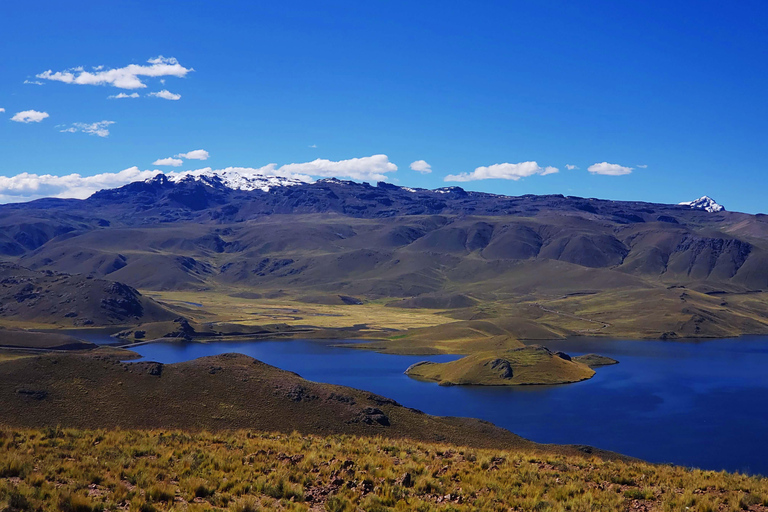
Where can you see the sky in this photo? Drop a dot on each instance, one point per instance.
(651, 101)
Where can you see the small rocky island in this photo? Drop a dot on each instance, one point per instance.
(515, 367)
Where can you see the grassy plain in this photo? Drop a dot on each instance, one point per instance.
(243, 471)
(222, 306)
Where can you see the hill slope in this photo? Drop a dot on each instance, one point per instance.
(27, 296)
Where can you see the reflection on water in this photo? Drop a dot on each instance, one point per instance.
(702, 404)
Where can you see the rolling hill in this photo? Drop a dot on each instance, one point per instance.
(443, 249)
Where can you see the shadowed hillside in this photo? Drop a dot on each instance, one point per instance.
(27, 296)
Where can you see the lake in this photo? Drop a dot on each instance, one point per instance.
(702, 404)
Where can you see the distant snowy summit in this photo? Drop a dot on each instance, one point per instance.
(704, 203)
(235, 179)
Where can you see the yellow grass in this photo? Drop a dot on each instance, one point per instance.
(221, 307)
(89, 471)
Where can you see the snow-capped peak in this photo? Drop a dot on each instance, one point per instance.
(235, 178)
(704, 203)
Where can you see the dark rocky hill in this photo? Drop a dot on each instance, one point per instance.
(72, 300)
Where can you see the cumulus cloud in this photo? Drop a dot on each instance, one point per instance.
(99, 128)
(369, 168)
(198, 154)
(505, 171)
(165, 94)
(607, 169)
(2, 110)
(173, 162)
(571, 167)
(128, 77)
(123, 95)
(421, 166)
(642, 166)
(29, 116)
(25, 186)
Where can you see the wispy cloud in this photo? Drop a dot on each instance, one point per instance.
(642, 166)
(2, 110)
(198, 154)
(571, 167)
(100, 128)
(173, 162)
(33, 82)
(123, 95)
(25, 186)
(313, 146)
(505, 171)
(165, 94)
(128, 77)
(606, 169)
(29, 116)
(421, 166)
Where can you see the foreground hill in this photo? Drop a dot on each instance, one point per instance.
(90, 470)
(231, 391)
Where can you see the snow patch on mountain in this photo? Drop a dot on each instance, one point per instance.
(704, 203)
(236, 179)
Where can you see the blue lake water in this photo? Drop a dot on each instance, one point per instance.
(701, 404)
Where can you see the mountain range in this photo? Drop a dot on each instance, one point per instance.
(443, 248)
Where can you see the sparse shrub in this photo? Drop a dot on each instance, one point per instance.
(637, 494)
(77, 503)
(161, 493)
(339, 504)
(14, 466)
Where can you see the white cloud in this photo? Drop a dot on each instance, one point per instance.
(128, 77)
(369, 168)
(165, 94)
(99, 128)
(571, 167)
(123, 95)
(313, 146)
(25, 187)
(607, 169)
(504, 171)
(421, 166)
(2, 110)
(29, 116)
(33, 82)
(198, 154)
(642, 166)
(173, 162)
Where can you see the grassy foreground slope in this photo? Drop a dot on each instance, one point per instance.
(92, 470)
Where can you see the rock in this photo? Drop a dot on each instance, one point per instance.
(563, 355)
(299, 393)
(502, 366)
(34, 394)
(372, 415)
(155, 369)
(406, 480)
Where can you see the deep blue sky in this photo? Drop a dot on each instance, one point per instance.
(679, 87)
